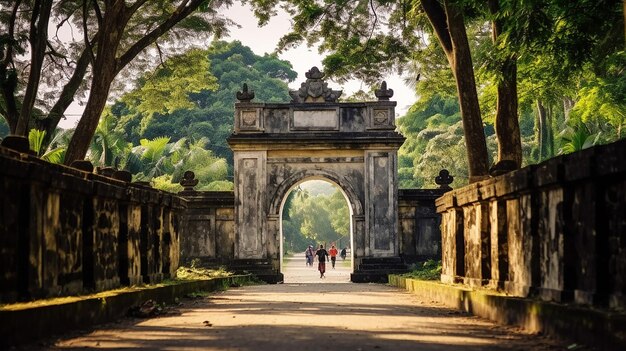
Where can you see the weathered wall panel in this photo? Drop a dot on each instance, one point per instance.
(556, 229)
(65, 231)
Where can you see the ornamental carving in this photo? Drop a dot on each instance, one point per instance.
(380, 117)
(315, 89)
(248, 118)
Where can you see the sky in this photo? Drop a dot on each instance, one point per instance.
(264, 39)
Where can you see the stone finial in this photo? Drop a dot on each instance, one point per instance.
(245, 95)
(17, 143)
(444, 179)
(188, 182)
(503, 167)
(83, 165)
(106, 171)
(123, 175)
(383, 94)
(315, 89)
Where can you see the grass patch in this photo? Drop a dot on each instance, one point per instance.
(429, 270)
(195, 273)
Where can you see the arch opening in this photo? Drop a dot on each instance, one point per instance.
(315, 210)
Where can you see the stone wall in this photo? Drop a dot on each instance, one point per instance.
(420, 237)
(556, 230)
(64, 231)
(210, 226)
(209, 223)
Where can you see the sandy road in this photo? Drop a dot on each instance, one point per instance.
(309, 313)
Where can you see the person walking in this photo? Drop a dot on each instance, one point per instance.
(309, 254)
(333, 255)
(321, 254)
(343, 253)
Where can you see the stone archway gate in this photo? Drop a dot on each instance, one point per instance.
(277, 145)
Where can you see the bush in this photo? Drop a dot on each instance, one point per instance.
(429, 270)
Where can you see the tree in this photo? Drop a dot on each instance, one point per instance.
(360, 48)
(208, 109)
(114, 33)
(506, 124)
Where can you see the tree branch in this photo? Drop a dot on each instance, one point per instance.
(437, 17)
(8, 59)
(67, 94)
(88, 45)
(96, 8)
(138, 4)
(38, 38)
(179, 14)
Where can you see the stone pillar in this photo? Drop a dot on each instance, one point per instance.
(273, 240)
(106, 236)
(499, 244)
(520, 239)
(452, 244)
(360, 250)
(381, 200)
(250, 204)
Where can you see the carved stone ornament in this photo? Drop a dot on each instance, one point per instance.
(315, 89)
(188, 181)
(245, 95)
(383, 94)
(444, 179)
(380, 117)
(248, 118)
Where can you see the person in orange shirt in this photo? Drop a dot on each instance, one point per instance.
(333, 255)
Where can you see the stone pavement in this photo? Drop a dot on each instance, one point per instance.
(309, 313)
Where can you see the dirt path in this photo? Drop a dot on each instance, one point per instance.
(309, 313)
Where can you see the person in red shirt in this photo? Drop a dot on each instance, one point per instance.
(333, 255)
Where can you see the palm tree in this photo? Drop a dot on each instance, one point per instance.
(55, 152)
(577, 138)
(108, 148)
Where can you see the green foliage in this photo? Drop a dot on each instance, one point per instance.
(209, 109)
(167, 89)
(165, 162)
(164, 182)
(195, 272)
(576, 139)
(4, 128)
(321, 218)
(56, 149)
(429, 270)
(108, 147)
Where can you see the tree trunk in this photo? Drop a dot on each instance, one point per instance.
(542, 130)
(568, 105)
(107, 64)
(507, 122)
(66, 97)
(104, 71)
(38, 38)
(449, 26)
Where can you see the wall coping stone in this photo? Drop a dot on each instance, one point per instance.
(579, 165)
(549, 172)
(313, 105)
(445, 202)
(488, 188)
(36, 321)
(420, 194)
(611, 159)
(592, 326)
(468, 194)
